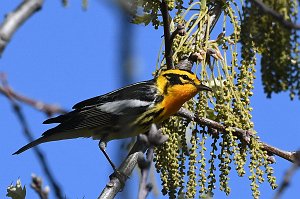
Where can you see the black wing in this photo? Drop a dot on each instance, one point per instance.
(144, 91)
(90, 113)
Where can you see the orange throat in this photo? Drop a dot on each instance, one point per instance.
(176, 97)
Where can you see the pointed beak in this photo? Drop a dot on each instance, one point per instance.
(202, 87)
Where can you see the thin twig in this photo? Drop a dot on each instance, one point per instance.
(240, 133)
(15, 19)
(167, 34)
(266, 9)
(43, 162)
(48, 109)
(288, 177)
(145, 166)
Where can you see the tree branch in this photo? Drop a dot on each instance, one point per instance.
(263, 7)
(167, 34)
(15, 19)
(240, 133)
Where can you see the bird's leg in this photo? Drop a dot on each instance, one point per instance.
(102, 146)
(121, 176)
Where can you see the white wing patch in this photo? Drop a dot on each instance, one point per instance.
(117, 107)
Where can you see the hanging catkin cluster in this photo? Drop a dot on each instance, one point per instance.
(280, 61)
(198, 159)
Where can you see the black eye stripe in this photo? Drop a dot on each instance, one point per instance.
(175, 75)
(185, 77)
(178, 79)
(173, 79)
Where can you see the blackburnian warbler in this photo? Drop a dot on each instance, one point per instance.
(125, 112)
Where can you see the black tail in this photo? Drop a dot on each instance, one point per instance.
(54, 135)
(30, 145)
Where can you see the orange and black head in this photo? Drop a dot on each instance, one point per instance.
(176, 87)
(179, 81)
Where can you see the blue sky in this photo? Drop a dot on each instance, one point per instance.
(64, 55)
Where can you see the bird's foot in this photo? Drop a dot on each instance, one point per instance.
(122, 177)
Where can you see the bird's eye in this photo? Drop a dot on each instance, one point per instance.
(185, 77)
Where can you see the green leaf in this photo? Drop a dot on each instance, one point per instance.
(210, 114)
(146, 19)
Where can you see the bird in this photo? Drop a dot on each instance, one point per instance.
(125, 112)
